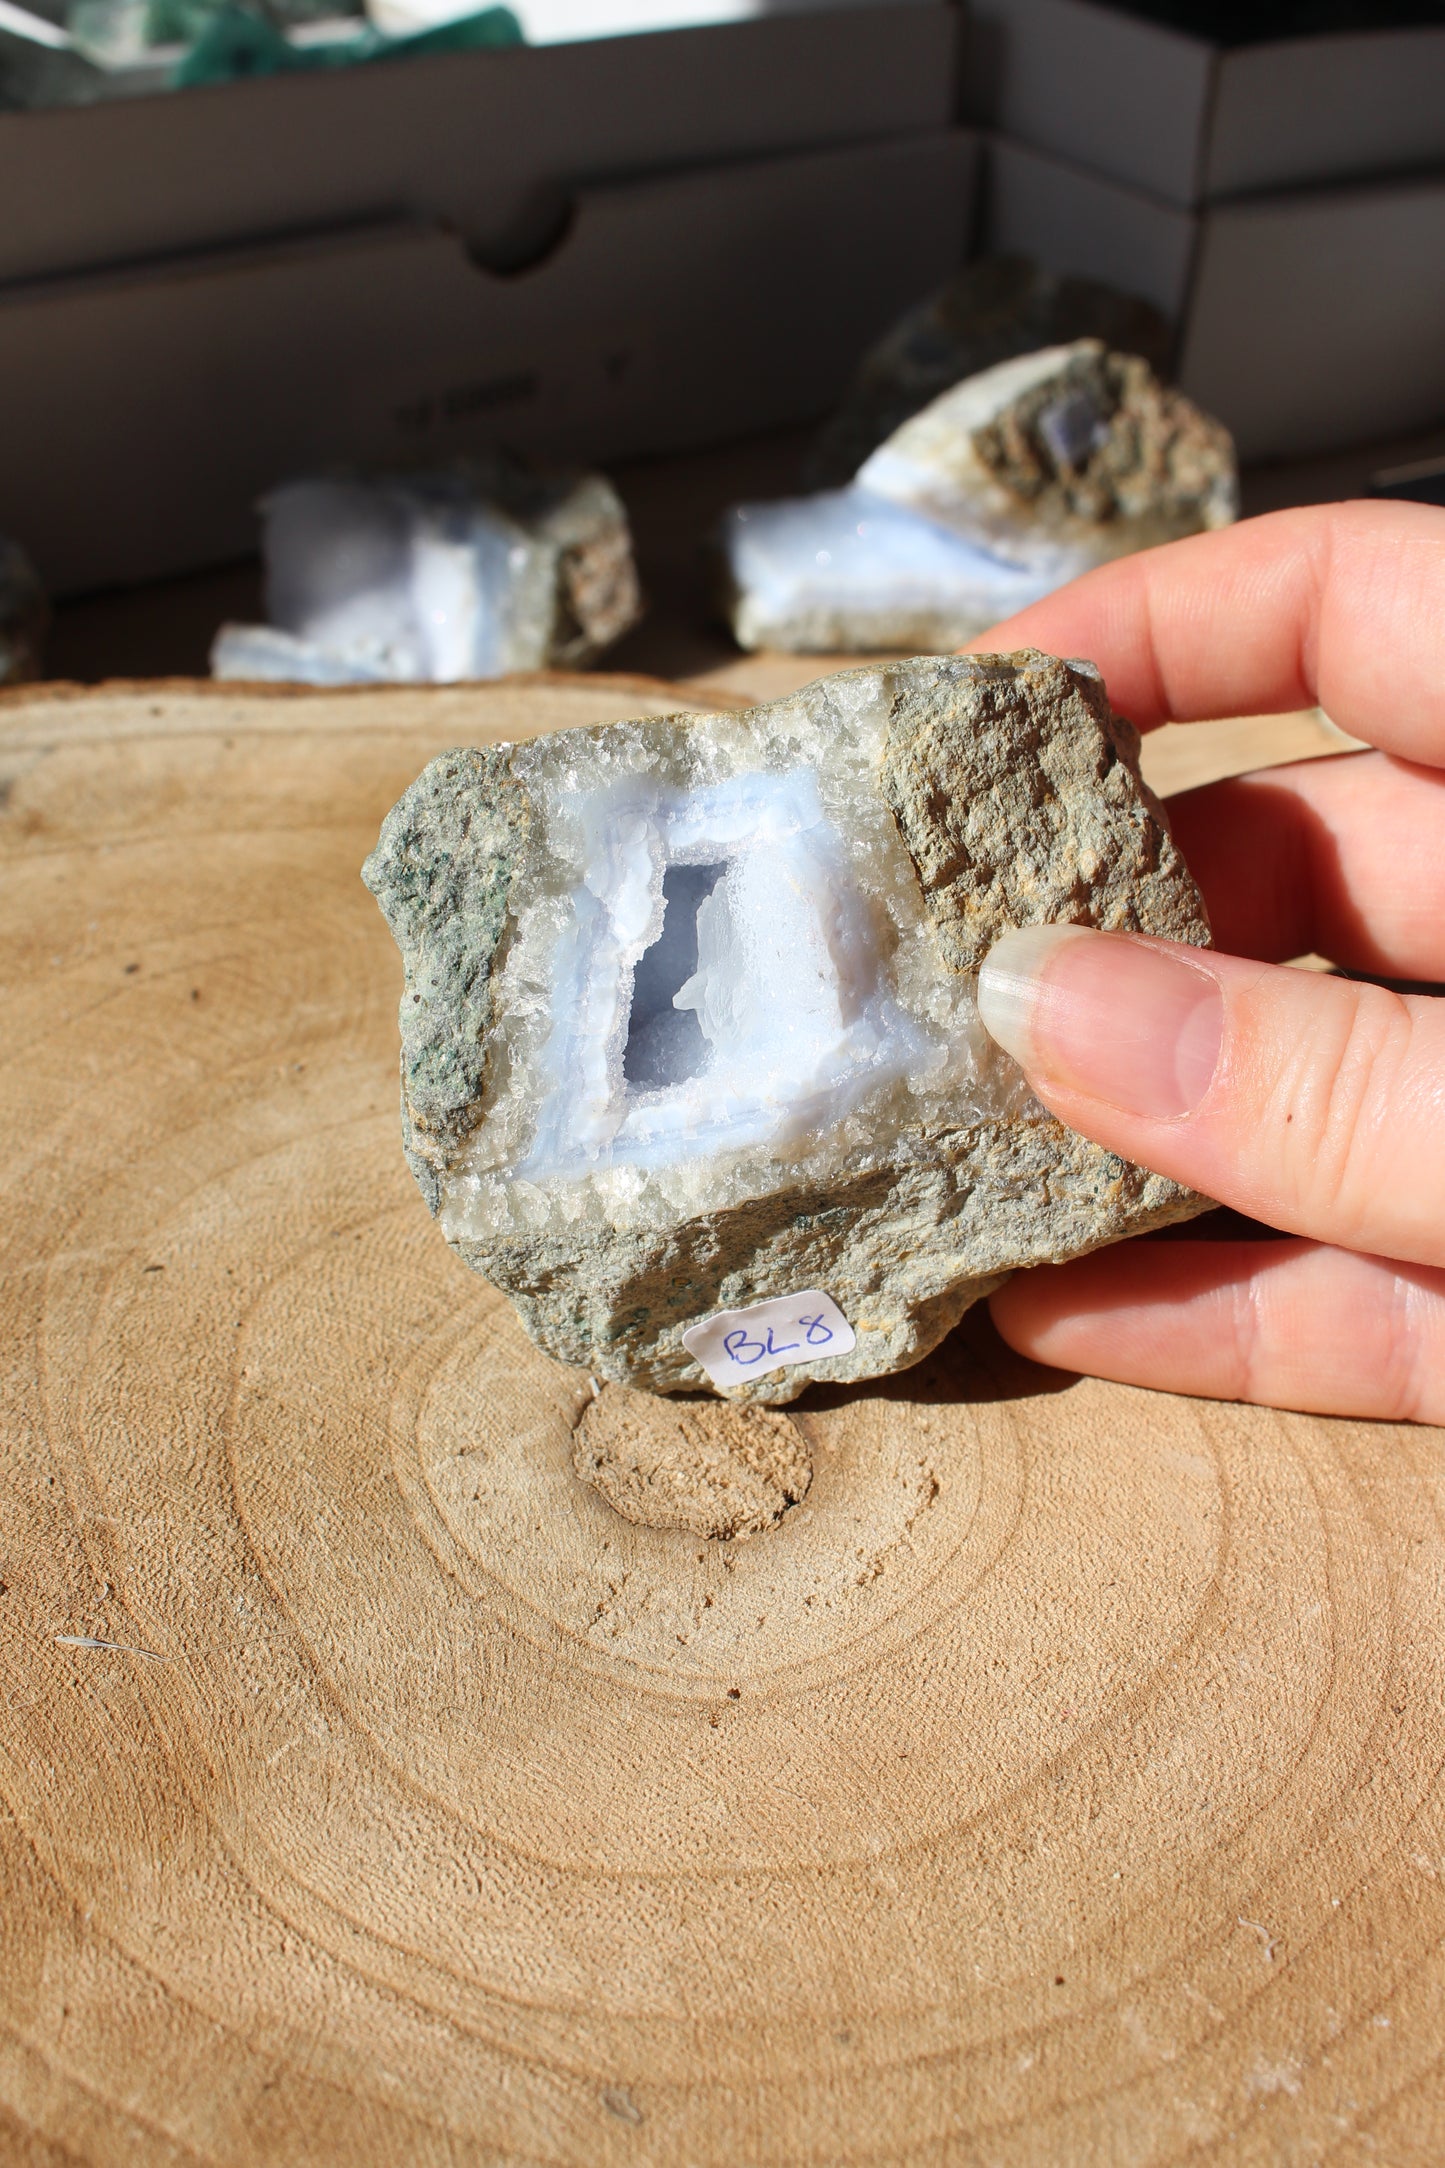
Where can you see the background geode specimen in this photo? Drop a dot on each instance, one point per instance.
(689, 1016)
(469, 572)
(1002, 489)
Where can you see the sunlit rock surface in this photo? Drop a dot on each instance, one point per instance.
(24, 615)
(436, 579)
(689, 1017)
(1002, 489)
(989, 311)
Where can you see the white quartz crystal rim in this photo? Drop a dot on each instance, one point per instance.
(769, 1080)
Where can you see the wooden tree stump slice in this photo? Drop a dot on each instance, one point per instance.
(1058, 1782)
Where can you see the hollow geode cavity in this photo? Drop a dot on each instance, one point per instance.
(689, 1018)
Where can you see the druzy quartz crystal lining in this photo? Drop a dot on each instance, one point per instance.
(689, 1020)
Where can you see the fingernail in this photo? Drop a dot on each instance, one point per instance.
(1118, 1019)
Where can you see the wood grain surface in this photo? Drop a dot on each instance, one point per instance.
(1060, 1782)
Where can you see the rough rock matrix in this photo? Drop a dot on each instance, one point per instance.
(993, 309)
(689, 1020)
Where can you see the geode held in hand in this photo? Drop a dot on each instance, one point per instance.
(689, 1024)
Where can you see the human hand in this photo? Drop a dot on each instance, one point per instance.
(1312, 1103)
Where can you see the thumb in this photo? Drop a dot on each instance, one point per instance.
(1309, 1102)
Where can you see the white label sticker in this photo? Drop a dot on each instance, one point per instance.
(735, 1345)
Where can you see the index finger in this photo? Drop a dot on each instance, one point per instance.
(1340, 606)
